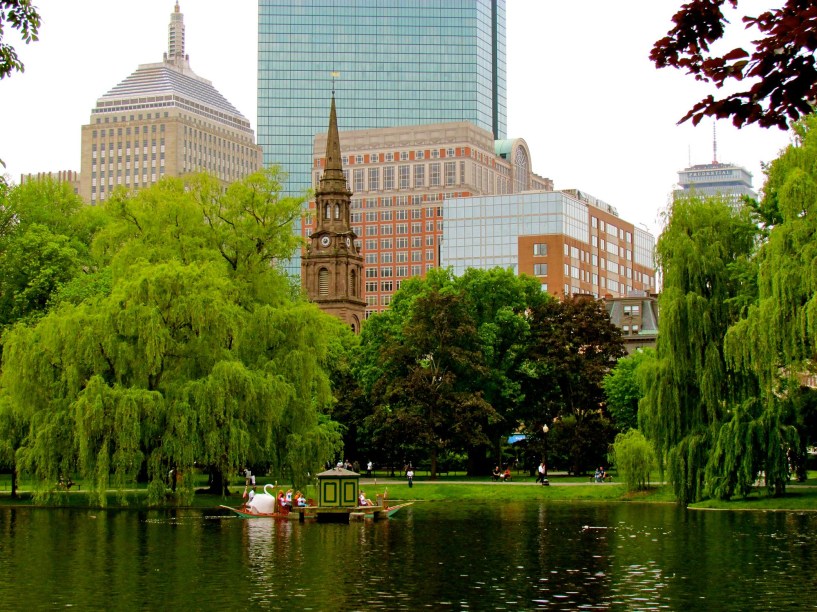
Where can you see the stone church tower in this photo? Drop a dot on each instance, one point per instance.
(332, 268)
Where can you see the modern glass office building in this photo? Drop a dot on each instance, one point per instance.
(395, 63)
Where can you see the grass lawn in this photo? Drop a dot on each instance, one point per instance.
(799, 496)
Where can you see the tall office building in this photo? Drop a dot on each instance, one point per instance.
(164, 120)
(410, 62)
(728, 180)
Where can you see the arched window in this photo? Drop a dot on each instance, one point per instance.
(521, 170)
(327, 213)
(337, 211)
(323, 282)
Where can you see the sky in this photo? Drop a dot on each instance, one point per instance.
(595, 112)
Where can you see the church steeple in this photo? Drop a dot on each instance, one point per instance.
(332, 267)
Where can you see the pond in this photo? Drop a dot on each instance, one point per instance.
(477, 556)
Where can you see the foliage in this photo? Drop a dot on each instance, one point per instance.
(634, 459)
(45, 236)
(624, 388)
(429, 369)
(498, 301)
(579, 442)
(703, 252)
(574, 346)
(23, 17)
(781, 66)
(189, 348)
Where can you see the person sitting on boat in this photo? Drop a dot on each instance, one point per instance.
(300, 500)
(288, 497)
(496, 475)
(282, 501)
(363, 500)
(250, 495)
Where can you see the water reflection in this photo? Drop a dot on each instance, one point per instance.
(454, 556)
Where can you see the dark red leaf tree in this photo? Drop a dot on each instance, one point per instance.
(779, 71)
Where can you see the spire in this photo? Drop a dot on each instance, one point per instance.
(333, 159)
(332, 179)
(175, 38)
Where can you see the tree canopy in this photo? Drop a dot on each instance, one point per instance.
(198, 351)
(778, 73)
(459, 364)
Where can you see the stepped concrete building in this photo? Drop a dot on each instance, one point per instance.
(164, 120)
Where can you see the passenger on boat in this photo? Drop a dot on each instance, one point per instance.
(282, 501)
(300, 500)
(363, 500)
(289, 497)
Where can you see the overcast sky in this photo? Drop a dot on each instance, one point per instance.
(596, 114)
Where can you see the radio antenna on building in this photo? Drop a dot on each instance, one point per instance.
(714, 143)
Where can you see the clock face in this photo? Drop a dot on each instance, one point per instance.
(325, 241)
(348, 241)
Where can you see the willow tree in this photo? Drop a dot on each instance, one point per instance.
(200, 353)
(777, 340)
(705, 256)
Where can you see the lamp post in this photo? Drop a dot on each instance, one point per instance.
(545, 430)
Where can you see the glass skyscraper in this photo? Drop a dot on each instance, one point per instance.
(395, 62)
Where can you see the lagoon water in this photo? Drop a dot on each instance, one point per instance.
(448, 556)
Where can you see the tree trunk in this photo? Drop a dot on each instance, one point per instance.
(14, 480)
(218, 484)
(433, 464)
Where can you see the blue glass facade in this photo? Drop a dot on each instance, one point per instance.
(399, 62)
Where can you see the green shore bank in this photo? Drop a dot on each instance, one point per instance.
(798, 497)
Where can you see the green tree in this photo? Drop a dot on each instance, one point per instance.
(499, 302)
(45, 237)
(427, 361)
(695, 411)
(624, 388)
(634, 459)
(191, 358)
(574, 347)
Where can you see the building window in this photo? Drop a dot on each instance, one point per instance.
(434, 175)
(540, 249)
(405, 177)
(388, 178)
(450, 173)
(374, 179)
(540, 269)
(359, 181)
(419, 175)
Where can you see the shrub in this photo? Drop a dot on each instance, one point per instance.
(634, 457)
